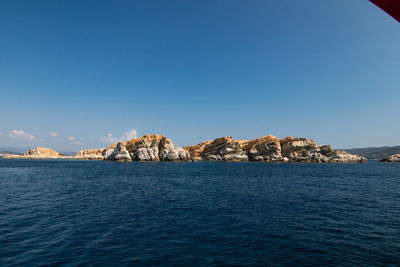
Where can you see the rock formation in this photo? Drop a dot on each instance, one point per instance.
(90, 154)
(196, 150)
(42, 152)
(224, 149)
(37, 153)
(392, 158)
(120, 153)
(269, 148)
(151, 148)
(160, 148)
(265, 148)
(174, 154)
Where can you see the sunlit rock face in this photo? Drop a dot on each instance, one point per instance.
(270, 149)
(299, 149)
(147, 147)
(120, 153)
(145, 154)
(265, 148)
(91, 154)
(42, 152)
(224, 149)
(174, 154)
(194, 152)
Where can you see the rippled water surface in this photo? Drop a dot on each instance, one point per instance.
(55, 212)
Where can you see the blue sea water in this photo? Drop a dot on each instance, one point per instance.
(78, 213)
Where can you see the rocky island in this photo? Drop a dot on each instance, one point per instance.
(37, 153)
(392, 158)
(160, 148)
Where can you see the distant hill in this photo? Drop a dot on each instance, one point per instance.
(375, 152)
(12, 150)
(20, 151)
(9, 152)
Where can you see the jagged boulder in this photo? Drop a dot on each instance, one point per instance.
(265, 148)
(298, 149)
(392, 158)
(224, 149)
(174, 154)
(120, 153)
(145, 154)
(147, 147)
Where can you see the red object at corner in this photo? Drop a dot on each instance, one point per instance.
(392, 7)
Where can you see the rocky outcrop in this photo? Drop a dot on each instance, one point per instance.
(306, 150)
(145, 154)
(37, 153)
(300, 149)
(224, 149)
(42, 152)
(120, 153)
(149, 148)
(174, 154)
(195, 151)
(392, 158)
(160, 148)
(340, 156)
(270, 149)
(266, 148)
(90, 154)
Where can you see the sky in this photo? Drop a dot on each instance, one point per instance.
(84, 74)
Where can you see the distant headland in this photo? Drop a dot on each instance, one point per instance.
(160, 148)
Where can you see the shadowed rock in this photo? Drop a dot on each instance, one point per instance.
(392, 158)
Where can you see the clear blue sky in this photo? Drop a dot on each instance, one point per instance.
(197, 70)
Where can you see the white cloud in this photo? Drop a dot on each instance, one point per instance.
(129, 135)
(77, 143)
(71, 138)
(110, 139)
(20, 135)
(53, 134)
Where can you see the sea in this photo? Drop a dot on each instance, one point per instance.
(98, 213)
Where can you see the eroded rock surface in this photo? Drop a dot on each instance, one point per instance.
(147, 147)
(224, 149)
(299, 149)
(158, 147)
(265, 148)
(174, 154)
(269, 148)
(195, 151)
(145, 154)
(90, 154)
(120, 153)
